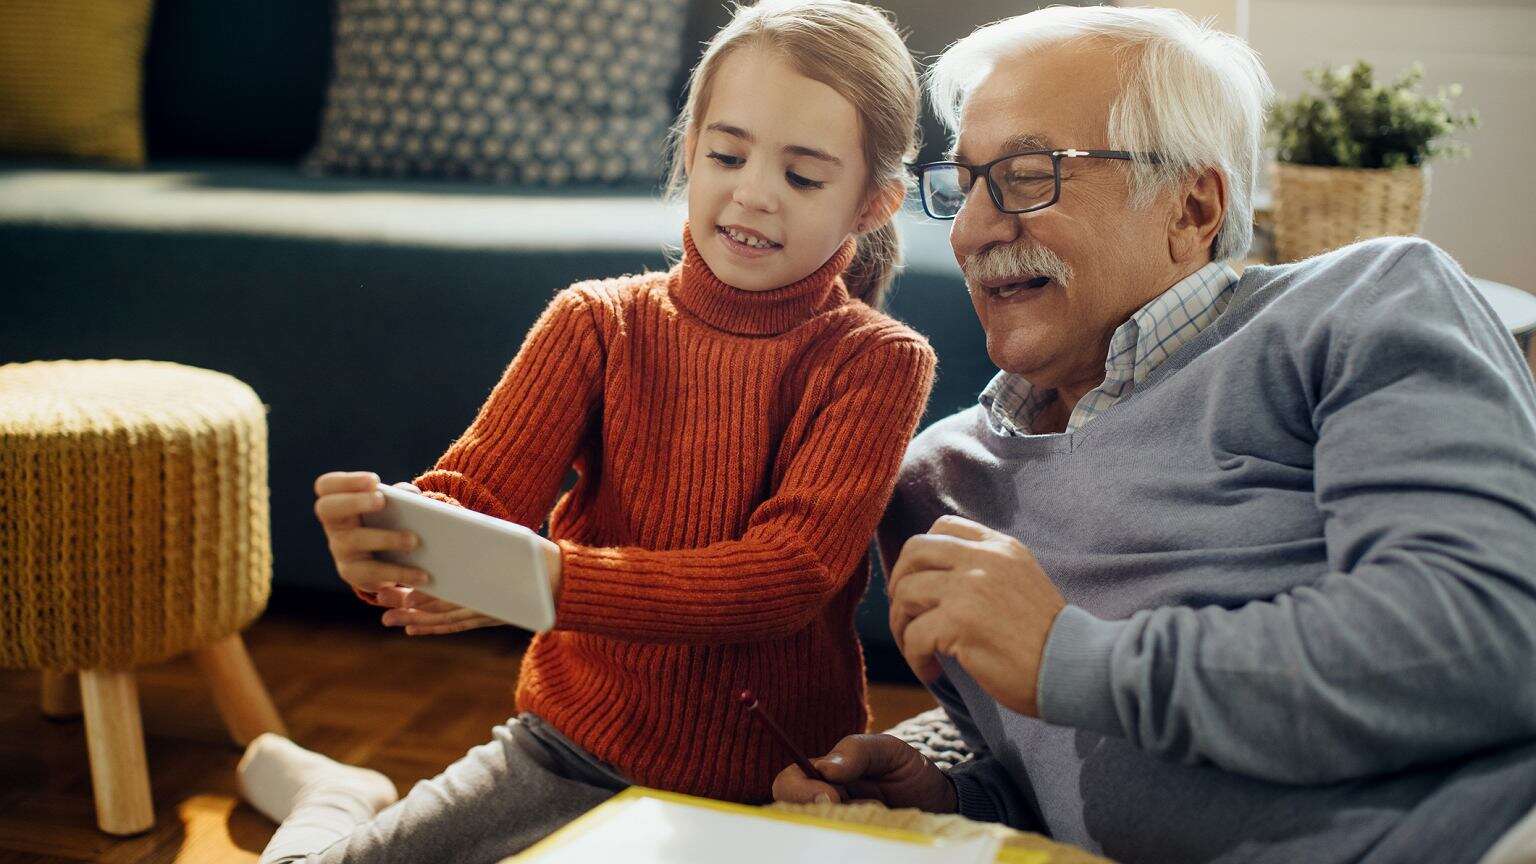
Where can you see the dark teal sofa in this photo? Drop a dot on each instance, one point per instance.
(371, 316)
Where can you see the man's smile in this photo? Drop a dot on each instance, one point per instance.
(1003, 289)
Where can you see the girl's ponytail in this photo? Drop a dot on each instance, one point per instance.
(874, 266)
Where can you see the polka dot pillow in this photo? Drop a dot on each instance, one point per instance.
(535, 92)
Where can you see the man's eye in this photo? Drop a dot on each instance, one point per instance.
(803, 182)
(1028, 179)
(726, 159)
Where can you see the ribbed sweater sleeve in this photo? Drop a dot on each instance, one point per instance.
(511, 460)
(801, 543)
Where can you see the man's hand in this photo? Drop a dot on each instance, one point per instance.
(877, 767)
(976, 595)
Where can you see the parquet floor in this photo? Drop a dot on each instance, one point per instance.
(345, 686)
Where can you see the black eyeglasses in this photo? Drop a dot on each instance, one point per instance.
(1018, 183)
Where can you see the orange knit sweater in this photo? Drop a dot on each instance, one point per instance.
(734, 451)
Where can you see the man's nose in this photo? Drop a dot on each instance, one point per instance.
(754, 192)
(980, 225)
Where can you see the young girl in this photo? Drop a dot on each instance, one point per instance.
(736, 425)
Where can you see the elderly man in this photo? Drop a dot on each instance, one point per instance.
(1221, 568)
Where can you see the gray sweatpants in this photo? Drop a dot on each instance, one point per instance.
(500, 798)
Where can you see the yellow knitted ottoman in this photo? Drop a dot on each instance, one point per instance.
(133, 528)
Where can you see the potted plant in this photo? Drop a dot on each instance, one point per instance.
(1351, 161)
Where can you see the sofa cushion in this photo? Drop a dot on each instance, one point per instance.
(70, 73)
(252, 199)
(261, 199)
(253, 202)
(310, 289)
(545, 92)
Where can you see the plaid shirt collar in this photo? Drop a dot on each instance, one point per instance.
(1152, 334)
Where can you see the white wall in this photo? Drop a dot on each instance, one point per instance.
(1481, 208)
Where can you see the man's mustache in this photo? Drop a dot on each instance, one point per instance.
(1022, 260)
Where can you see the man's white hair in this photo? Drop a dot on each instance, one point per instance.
(1190, 93)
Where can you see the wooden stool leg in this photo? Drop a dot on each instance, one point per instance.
(61, 695)
(114, 735)
(237, 690)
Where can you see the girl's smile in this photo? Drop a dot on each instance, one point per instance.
(777, 178)
(746, 242)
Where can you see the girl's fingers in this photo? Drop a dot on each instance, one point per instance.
(345, 481)
(372, 575)
(341, 509)
(394, 596)
(360, 542)
(408, 615)
(457, 627)
(400, 597)
(422, 623)
(428, 603)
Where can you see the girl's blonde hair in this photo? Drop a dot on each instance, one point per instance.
(855, 50)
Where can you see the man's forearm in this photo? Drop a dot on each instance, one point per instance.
(1295, 690)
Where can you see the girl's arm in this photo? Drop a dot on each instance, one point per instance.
(511, 460)
(801, 544)
(509, 463)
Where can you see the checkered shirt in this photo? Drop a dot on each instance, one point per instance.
(1152, 334)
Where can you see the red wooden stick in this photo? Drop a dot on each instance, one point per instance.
(755, 708)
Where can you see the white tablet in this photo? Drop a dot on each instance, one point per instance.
(478, 561)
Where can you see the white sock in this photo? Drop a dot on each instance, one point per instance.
(275, 773)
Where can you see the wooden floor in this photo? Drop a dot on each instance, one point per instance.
(345, 686)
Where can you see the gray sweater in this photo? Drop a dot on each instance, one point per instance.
(1300, 563)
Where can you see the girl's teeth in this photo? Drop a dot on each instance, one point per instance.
(746, 239)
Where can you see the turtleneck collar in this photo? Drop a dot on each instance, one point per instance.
(696, 289)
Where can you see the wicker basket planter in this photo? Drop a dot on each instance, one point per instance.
(1320, 208)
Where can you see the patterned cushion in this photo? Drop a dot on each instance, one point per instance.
(544, 92)
(935, 736)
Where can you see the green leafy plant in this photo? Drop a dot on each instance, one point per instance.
(1357, 123)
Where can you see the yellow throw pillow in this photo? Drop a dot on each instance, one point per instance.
(71, 78)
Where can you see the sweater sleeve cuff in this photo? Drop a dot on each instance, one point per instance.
(581, 601)
(1075, 687)
(972, 800)
(452, 487)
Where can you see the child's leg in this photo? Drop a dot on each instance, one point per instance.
(500, 798)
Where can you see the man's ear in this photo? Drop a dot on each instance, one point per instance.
(1198, 212)
(880, 207)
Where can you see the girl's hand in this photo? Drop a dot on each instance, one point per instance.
(422, 615)
(341, 499)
